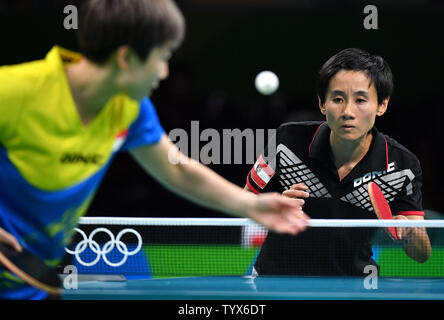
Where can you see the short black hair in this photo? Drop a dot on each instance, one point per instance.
(105, 25)
(354, 59)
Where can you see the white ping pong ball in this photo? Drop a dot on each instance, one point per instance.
(266, 82)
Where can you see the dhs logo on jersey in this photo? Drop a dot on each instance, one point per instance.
(372, 175)
(70, 158)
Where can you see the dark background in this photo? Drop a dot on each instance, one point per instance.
(227, 44)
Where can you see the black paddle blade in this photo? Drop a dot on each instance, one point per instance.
(31, 266)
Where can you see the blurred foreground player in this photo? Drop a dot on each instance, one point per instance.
(330, 164)
(64, 118)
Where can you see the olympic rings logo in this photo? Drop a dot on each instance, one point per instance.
(107, 248)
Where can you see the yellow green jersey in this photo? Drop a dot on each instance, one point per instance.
(51, 163)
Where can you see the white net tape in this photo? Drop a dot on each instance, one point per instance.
(325, 223)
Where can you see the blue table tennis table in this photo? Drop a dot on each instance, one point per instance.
(257, 288)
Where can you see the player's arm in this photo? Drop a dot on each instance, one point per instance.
(7, 238)
(296, 191)
(203, 186)
(417, 243)
(409, 206)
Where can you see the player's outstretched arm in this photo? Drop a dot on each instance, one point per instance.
(203, 186)
(417, 244)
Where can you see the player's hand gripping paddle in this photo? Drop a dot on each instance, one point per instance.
(382, 208)
(30, 269)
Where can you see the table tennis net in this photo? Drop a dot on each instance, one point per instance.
(178, 247)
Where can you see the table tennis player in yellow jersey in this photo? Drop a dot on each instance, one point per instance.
(90, 106)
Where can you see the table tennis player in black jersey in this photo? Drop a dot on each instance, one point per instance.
(329, 165)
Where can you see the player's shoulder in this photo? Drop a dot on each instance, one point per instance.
(144, 108)
(13, 77)
(17, 83)
(297, 134)
(26, 67)
(401, 152)
(25, 77)
(300, 126)
(129, 111)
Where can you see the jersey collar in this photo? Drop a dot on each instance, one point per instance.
(376, 159)
(66, 56)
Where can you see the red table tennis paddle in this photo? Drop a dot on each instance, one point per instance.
(382, 208)
(31, 269)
